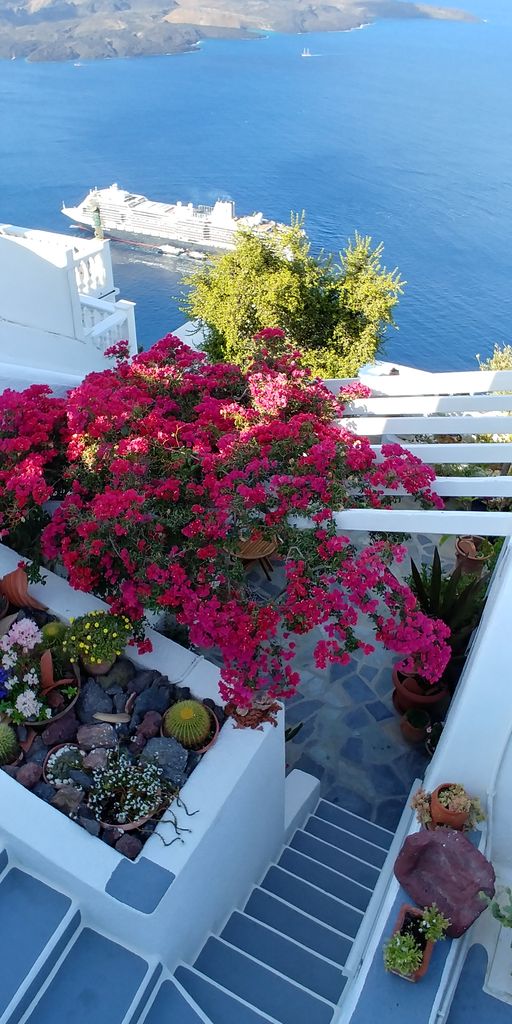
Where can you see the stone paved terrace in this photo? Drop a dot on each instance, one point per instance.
(351, 738)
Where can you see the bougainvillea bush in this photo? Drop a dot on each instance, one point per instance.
(172, 461)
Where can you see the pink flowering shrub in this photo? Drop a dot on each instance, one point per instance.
(31, 453)
(171, 461)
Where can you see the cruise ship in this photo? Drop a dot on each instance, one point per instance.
(115, 213)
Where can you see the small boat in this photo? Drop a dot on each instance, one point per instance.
(171, 250)
(306, 52)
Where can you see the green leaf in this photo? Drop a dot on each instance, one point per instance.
(435, 584)
(419, 589)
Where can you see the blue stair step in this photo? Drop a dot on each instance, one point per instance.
(353, 823)
(313, 901)
(30, 913)
(260, 987)
(97, 981)
(361, 848)
(325, 878)
(172, 1007)
(219, 1006)
(287, 919)
(284, 956)
(334, 858)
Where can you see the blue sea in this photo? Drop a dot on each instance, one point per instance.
(402, 130)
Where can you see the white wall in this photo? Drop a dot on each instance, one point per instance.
(476, 745)
(35, 292)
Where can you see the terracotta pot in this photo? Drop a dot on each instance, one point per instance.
(411, 732)
(41, 724)
(467, 560)
(14, 586)
(131, 825)
(409, 694)
(441, 815)
(98, 668)
(53, 750)
(198, 750)
(405, 909)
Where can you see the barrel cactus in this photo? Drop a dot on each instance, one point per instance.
(9, 749)
(189, 722)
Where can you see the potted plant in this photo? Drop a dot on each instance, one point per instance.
(126, 794)
(433, 735)
(14, 586)
(413, 692)
(503, 911)
(414, 724)
(459, 604)
(472, 553)
(60, 761)
(192, 724)
(9, 747)
(97, 639)
(409, 949)
(448, 805)
(29, 694)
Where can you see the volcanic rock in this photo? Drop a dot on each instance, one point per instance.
(121, 674)
(169, 755)
(29, 774)
(129, 846)
(101, 735)
(92, 699)
(443, 867)
(150, 725)
(62, 731)
(68, 800)
(97, 758)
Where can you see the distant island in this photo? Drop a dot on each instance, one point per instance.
(60, 30)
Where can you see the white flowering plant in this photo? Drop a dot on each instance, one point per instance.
(125, 791)
(22, 693)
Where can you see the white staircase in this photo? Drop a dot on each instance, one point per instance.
(280, 960)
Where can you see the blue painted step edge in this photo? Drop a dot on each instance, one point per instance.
(260, 986)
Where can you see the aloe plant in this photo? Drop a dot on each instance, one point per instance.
(450, 598)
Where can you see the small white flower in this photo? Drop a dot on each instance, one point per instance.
(27, 704)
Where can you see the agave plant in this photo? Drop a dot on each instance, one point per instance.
(455, 598)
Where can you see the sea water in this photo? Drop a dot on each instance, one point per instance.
(402, 131)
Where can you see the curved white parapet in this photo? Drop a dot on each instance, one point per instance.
(171, 896)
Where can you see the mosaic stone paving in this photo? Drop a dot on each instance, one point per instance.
(351, 738)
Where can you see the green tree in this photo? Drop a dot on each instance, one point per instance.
(335, 313)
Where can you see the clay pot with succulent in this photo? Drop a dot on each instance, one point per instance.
(408, 951)
(414, 724)
(449, 805)
(192, 724)
(96, 639)
(60, 762)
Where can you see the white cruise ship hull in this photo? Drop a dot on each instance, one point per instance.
(117, 214)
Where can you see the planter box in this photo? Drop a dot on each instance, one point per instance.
(237, 789)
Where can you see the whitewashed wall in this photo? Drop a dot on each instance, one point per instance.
(476, 745)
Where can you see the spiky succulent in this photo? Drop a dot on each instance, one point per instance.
(8, 744)
(189, 722)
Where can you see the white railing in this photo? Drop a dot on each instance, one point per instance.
(409, 405)
(93, 273)
(105, 323)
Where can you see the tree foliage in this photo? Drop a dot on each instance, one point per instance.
(336, 313)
